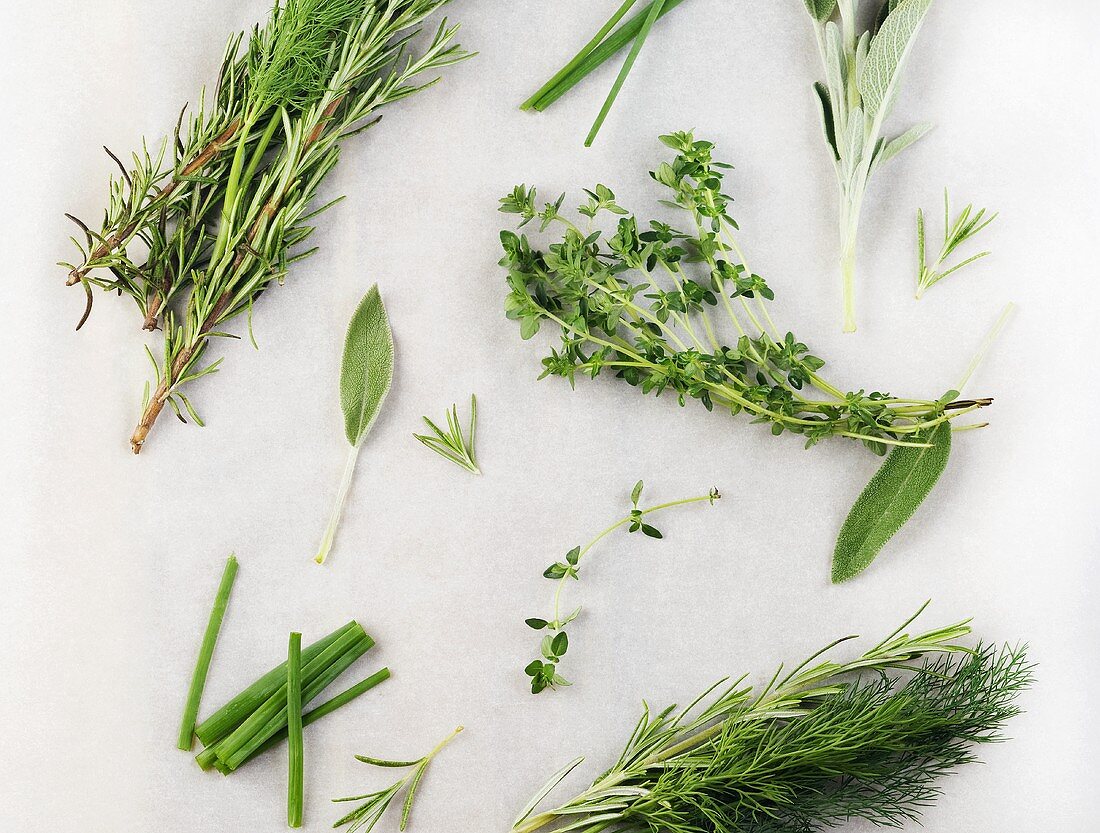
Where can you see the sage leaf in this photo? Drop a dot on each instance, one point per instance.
(899, 143)
(888, 501)
(367, 370)
(820, 10)
(365, 378)
(828, 125)
(889, 50)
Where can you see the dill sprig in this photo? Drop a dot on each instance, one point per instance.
(452, 444)
(828, 742)
(603, 292)
(194, 234)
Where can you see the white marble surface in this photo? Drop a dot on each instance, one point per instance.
(109, 560)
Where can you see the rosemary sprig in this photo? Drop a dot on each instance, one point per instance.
(219, 229)
(828, 742)
(544, 672)
(601, 292)
(368, 814)
(451, 444)
(968, 223)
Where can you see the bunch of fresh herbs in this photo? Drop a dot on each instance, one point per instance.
(198, 228)
(826, 743)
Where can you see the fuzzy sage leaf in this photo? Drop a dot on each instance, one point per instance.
(890, 47)
(820, 10)
(889, 500)
(365, 378)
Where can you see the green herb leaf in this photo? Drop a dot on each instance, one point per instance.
(367, 370)
(820, 10)
(888, 501)
(889, 48)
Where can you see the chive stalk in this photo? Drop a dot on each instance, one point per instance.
(230, 716)
(206, 653)
(654, 12)
(326, 708)
(295, 756)
(627, 33)
(564, 72)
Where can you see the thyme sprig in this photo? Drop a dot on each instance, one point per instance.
(601, 291)
(370, 812)
(194, 234)
(966, 225)
(544, 672)
(827, 742)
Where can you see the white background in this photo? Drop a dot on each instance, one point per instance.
(109, 561)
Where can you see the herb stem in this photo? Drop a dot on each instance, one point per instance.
(206, 653)
(643, 33)
(295, 756)
(533, 101)
(338, 508)
(986, 345)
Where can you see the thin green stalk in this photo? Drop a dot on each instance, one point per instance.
(295, 754)
(643, 33)
(206, 653)
(329, 537)
(612, 45)
(530, 103)
(987, 344)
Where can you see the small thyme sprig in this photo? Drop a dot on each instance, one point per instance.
(366, 816)
(451, 444)
(544, 672)
(967, 225)
(600, 290)
(829, 742)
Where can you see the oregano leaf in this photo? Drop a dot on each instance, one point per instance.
(367, 370)
(888, 501)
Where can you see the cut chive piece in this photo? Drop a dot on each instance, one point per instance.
(206, 653)
(271, 716)
(617, 41)
(532, 102)
(230, 716)
(328, 707)
(296, 758)
(628, 64)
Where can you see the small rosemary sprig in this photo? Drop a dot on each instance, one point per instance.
(544, 672)
(826, 743)
(367, 815)
(212, 230)
(968, 223)
(451, 444)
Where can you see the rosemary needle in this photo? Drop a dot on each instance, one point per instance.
(451, 444)
(206, 653)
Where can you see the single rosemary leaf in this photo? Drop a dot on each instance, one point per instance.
(365, 378)
(206, 653)
(888, 501)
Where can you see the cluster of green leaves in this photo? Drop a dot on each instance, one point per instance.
(601, 291)
(370, 812)
(544, 672)
(198, 229)
(967, 224)
(863, 70)
(828, 742)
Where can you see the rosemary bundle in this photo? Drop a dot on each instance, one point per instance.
(198, 228)
(827, 743)
(601, 292)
